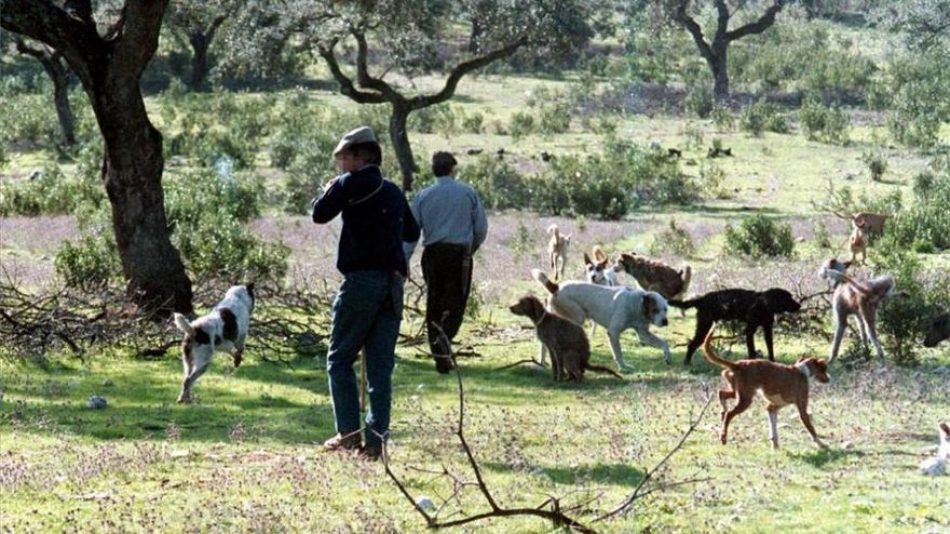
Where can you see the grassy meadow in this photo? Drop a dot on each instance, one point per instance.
(246, 457)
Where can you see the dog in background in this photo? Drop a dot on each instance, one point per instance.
(656, 276)
(858, 244)
(937, 329)
(870, 223)
(557, 250)
(756, 308)
(597, 272)
(570, 350)
(614, 308)
(224, 328)
(861, 298)
(780, 384)
(937, 465)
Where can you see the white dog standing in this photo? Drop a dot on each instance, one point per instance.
(614, 308)
(222, 329)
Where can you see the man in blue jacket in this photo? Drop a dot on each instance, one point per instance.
(368, 307)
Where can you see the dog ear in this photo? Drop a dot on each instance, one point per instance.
(182, 323)
(650, 306)
(587, 260)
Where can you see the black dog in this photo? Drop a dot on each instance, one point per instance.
(756, 308)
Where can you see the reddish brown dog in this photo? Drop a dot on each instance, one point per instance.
(780, 384)
(656, 276)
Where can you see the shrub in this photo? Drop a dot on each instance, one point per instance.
(822, 123)
(499, 185)
(673, 240)
(555, 119)
(521, 124)
(699, 99)
(51, 192)
(917, 90)
(90, 262)
(925, 226)
(763, 116)
(473, 122)
(759, 236)
(723, 118)
(877, 164)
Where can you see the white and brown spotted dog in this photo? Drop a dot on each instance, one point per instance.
(224, 328)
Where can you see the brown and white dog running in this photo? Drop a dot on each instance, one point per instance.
(224, 328)
(780, 384)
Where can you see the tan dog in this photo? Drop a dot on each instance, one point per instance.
(780, 384)
(861, 298)
(557, 250)
(570, 350)
(656, 276)
(870, 223)
(858, 243)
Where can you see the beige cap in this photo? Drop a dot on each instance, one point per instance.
(363, 134)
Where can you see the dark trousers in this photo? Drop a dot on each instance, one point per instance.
(447, 270)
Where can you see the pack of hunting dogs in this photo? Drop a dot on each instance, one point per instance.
(606, 301)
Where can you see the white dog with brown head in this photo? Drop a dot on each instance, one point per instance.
(222, 329)
(614, 308)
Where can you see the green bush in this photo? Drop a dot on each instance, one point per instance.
(499, 185)
(763, 116)
(823, 123)
(925, 226)
(917, 90)
(473, 122)
(759, 236)
(521, 125)
(555, 119)
(723, 118)
(876, 162)
(51, 192)
(673, 240)
(89, 263)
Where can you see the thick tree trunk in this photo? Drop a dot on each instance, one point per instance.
(199, 61)
(475, 36)
(401, 146)
(64, 111)
(133, 179)
(718, 64)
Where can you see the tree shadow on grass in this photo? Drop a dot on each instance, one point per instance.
(823, 457)
(616, 474)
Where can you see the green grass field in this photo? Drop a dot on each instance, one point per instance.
(247, 456)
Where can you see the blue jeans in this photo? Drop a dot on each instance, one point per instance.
(366, 313)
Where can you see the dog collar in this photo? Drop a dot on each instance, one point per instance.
(803, 369)
(538, 322)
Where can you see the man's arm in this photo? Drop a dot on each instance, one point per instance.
(479, 224)
(409, 242)
(328, 205)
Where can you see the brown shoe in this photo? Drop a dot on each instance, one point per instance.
(371, 452)
(339, 442)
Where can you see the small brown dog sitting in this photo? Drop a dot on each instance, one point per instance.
(780, 384)
(656, 276)
(566, 341)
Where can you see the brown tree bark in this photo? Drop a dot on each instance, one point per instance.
(716, 52)
(109, 68)
(377, 91)
(59, 74)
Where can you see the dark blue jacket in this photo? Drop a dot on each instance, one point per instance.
(376, 221)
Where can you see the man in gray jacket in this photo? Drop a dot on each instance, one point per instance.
(454, 225)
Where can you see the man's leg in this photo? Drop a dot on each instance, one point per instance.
(436, 276)
(353, 310)
(380, 360)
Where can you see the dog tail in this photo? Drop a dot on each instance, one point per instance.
(543, 279)
(602, 369)
(686, 275)
(182, 323)
(683, 304)
(599, 254)
(711, 355)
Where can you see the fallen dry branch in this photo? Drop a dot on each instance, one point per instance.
(550, 509)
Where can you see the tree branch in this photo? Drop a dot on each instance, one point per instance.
(362, 70)
(137, 37)
(463, 68)
(759, 26)
(346, 84)
(694, 29)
